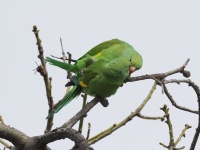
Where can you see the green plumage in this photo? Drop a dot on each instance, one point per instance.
(101, 71)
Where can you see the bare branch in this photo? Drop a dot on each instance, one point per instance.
(21, 140)
(175, 104)
(163, 75)
(43, 71)
(15, 136)
(80, 141)
(81, 113)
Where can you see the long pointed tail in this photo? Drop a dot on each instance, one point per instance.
(74, 92)
(63, 65)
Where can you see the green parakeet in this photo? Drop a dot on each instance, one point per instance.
(101, 71)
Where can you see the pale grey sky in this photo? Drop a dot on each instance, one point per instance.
(166, 33)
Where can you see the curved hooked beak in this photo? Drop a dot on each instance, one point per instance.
(131, 69)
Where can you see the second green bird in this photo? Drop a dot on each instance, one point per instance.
(101, 71)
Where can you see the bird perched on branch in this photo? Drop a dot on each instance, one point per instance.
(101, 71)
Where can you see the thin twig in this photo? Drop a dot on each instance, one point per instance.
(168, 121)
(64, 58)
(180, 148)
(63, 53)
(88, 132)
(61, 58)
(150, 118)
(80, 128)
(182, 134)
(163, 145)
(5, 144)
(69, 74)
(1, 120)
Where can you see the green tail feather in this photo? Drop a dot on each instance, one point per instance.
(63, 65)
(74, 92)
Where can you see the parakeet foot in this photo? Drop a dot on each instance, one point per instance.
(104, 102)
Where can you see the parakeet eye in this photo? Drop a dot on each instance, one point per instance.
(130, 59)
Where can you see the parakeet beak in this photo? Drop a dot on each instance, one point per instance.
(131, 69)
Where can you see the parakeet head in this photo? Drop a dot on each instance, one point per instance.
(135, 62)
